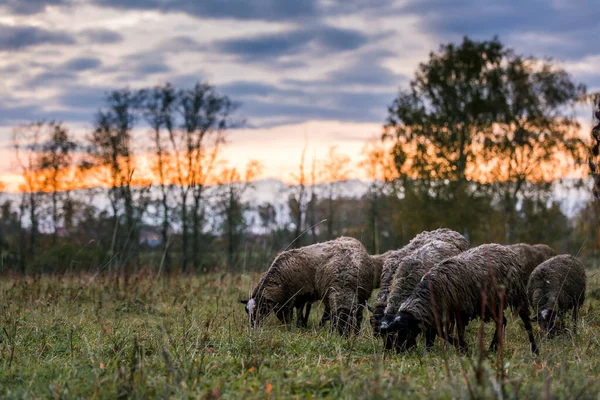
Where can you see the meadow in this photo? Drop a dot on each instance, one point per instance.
(188, 337)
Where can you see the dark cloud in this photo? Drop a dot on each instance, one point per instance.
(262, 101)
(244, 89)
(20, 37)
(28, 7)
(151, 68)
(269, 10)
(86, 99)
(82, 64)
(50, 78)
(262, 47)
(566, 30)
(101, 36)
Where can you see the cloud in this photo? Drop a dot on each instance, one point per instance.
(367, 70)
(101, 36)
(574, 25)
(324, 39)
(50, 78)
(28, 7)
(20, 37)
(82, 64)
(265, 10)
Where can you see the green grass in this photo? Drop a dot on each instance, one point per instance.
(188, 338)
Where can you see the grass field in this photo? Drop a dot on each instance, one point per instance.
(188, 338)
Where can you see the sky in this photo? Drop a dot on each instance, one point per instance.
(312, 73)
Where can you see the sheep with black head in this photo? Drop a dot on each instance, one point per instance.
(408, 274)
(478, 283)
(555, 287)
(393, 261)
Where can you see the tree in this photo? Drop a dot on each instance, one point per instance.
(335, 169)
(593, 161)
(111, 150)
(232, 186)
(195, 139)
(157, 106)
(296, 201)
(27, 145)
(477, 112)
(56, 162)
(379, 169)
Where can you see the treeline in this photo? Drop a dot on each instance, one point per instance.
(473, 145)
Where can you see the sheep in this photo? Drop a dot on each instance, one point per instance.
(530, 257)
(481, 282)
(408, 274)
(378, 261)
(339, 272)
(555, 287)
(393, 260)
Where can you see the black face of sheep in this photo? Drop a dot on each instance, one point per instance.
(547, 320)
(405, 329)
(375, 320)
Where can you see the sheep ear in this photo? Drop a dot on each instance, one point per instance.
(244, 301)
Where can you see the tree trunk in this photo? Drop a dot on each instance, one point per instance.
(196, 227)
(184, 233)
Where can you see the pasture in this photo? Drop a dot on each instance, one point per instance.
(188, 337)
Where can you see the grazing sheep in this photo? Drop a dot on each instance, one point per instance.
(339, 272)
(530, 257)
(378, 261)
(457, 290)
(393, 260)
(555, 287)
(409, 272)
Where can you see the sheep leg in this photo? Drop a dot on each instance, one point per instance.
(430, 338)
(575, 313)
(307, 313)
(461, 345)
(302, 317)
(524, 314)
(498, 334)
(358, 318)
(326, 317)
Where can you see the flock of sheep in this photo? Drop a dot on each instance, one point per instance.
(433, 286)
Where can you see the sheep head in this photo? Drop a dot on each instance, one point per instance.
(258, 309)
(547, 319)
(406, 329)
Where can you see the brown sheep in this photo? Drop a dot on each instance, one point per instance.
(389, 267)
(378, 261)
(339, 272)
(530, 257)
(409, 272)
(457, 290)
(555, 287)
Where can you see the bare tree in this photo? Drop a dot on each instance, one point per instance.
(27, 145)
(335, 169)
(205, 115)
(311, 207)
(56, 162)
(158, 107)
(232, 186)
(593, 160)
(379, 168)
(296, 201)
(111, 149)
